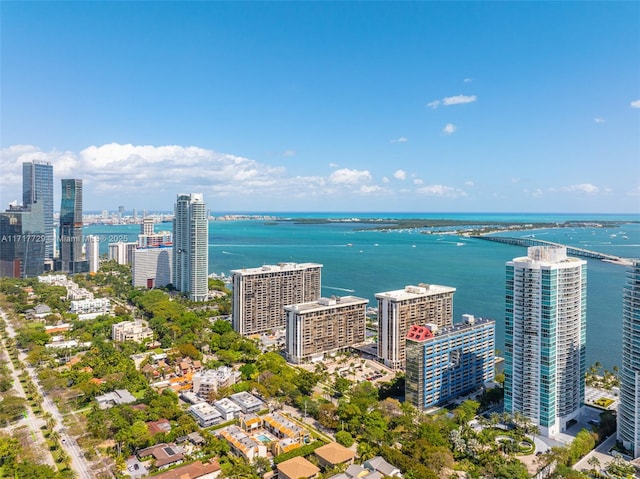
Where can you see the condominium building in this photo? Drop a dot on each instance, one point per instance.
(444, 363)
(260, 294)
(401, 309)
(122, 252)
(70, 237)
(37, 187)
(205, 414)
(90, 308)
(323, 326)
(191, 246)
(92, 252)
(629, 407)
(210, 380)
(152, 266)
(136, 331)
(148, 237)
(545, 336)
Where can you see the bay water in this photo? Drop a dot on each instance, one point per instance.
(359, 260)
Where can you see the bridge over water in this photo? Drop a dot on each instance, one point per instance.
(571, 250)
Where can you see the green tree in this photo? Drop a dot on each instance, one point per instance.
(344, 438)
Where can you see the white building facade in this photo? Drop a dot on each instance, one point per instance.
(545, 336)
(152, 266)
(92, 252)
(629, 408)
(191, 246)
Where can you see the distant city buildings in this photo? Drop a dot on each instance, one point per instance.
(401, 309)
(70, 238)
(260, 294)
(191, 246)
(629, 407)
(323, 326)
(444, 363)
(545, 334)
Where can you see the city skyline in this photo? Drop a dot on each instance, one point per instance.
(442, 107)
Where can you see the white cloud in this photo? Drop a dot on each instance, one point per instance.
(635, 192)
(371, 189)
(468, 80)
(441, 190)
(289, 153)
(333, 165)
(635, 104)
(434, 104)
(400, 175)
(537, 193)
(418, 181)
(458, 100)
(587, 188)
(469, 183)
(385, 179)
(449, 129)
(402, 139)
(598, 120)
(345, 176)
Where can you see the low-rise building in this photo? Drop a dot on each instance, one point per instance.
(136, 331)
(90, 308)
(205, 414)
(281, 427)
(242, 444)
(333, 454)
(248, 402)
(195, 470)
(210, 380)
(164, 454)
(227, 408)
(114, 398)
(297, 468)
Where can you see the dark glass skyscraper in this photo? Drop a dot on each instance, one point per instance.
(37, 187)
(71, 228)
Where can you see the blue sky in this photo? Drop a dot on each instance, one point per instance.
(345, 106)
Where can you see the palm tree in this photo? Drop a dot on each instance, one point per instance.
(594, 462)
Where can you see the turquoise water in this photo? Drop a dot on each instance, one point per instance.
(381, 261)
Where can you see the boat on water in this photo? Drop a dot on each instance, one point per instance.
(459, 244)
(349, 244)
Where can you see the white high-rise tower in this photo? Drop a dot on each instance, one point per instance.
(629, 408)
(545, 335)
(191, 246)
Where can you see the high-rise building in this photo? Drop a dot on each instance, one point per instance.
(22, 241)
(151, 267)
(37, 187)
(122, 252)
(324, 326)
(401, 309)
(260, 294)
(70, 239)
(545, 335)
(629, 407)
(191, 246)
(444, 363)
(92, 252)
